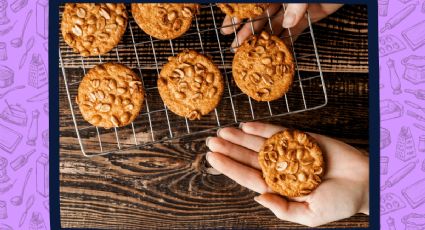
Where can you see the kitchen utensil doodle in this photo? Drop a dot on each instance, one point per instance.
(37, 75)
(414, 105)
(423, 166)
(5, 227)
(390, 202)
(42, 180)
(421, 145)
(20, 161)
(415, 194)
(9, 139)
(415, 35)
(385, 138)
(414, 221)
(14, 114)
(45, 137)
(398, 17)
(419, 94)
(11, 90)
(6, 188)
(394, 78)
(39, 97)
(383, 7)
(17, 200)
(28, 205)
(6, 76)
(391, 223)
(42, 17)
(3, 171)
(390, 109)
(384, 165)
(46, 205)
(28, 47)
(46, 108)
(33, 130)
(17, 5)
(389, 44)
(415, 115)
(17, 42)
(419, 126)
(414, 70)
(405, 148)
(3, 210)
(399, 175)
(423, 8)
(3, 51)
(37, 222)
(7, 29)
(3, 12)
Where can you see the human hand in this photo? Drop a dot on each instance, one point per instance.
(290, 15)
(344, 190)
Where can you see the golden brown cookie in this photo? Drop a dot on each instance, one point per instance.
(263, 67)
(110, 95)
(164, 20)
(243, 10)
(292, 163)
(190, 85)
(93, 29)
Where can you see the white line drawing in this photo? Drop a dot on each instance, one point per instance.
(390, 44)
(33, 130)
(415, 35)
(28, 47)
(3, 170)
(3, 12)
(45, 138)
(399, 175)
(11, 90)
(421, 144)
(414, 193)
(414, 221)
(42, 17)
(405, 149)
(384, 165)
(42, 172)
(17, 5)
(398, 17)
(17, 200)
(37, 222)
(414, 68)
(390, 109)
(3, 51)
(14, 114)
(383, 7)
(414, 105)
(28, 205)
(385, 138)
(21, 160)
(37, 76)
(6, 76)
(390, 202)
(17, 42)
(394, 78)
(419, 94)
(9, 139)
(415, 115)
(3, 209)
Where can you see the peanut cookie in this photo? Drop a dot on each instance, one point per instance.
(263, 67)
(190, 85)
(243, 10)
(292, 163)
(164, 20)
(110, 95)
(93, 29)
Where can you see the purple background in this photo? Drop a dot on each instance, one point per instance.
(13, 15)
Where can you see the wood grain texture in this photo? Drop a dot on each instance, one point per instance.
(169, 185)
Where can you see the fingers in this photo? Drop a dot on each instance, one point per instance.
(290, 211)
(275, 26)
(243, 175)
(260, 129)
(238, 137)
(228, 26)
(236, 152)
(294, 12)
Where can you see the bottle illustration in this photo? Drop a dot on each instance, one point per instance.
(394, 78)
(21, 160)
(33, 130)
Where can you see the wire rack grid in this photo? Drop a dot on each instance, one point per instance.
(235, 107)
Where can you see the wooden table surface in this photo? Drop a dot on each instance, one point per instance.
(169, 185)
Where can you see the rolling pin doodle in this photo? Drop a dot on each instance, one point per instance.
(398, 17)
(400, 174)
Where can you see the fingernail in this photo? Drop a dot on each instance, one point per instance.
(256, 198)
(207, 156)
(222, 32)
(218, 132)
(288, 20)
(207, 140)
(241, 124)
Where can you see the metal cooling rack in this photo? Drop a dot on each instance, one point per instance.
(148, 128)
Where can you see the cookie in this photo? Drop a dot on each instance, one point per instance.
(93, 29)
(263, 67)
(292, 163)
(190, 85)
(164, 20)
(243, 10)
(110, 95)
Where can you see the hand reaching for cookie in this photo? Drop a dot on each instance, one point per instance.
(343, 192)
(286, 16)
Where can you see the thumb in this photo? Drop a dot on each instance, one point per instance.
(292, 211)
(294, 12)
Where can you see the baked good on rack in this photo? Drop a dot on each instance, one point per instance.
(93, 29)
(164, 20)
(263, 67)
(110, 95)
(243, 10)
(292, 163)
(190, 84)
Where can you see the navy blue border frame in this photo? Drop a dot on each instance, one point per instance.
(374, 117)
